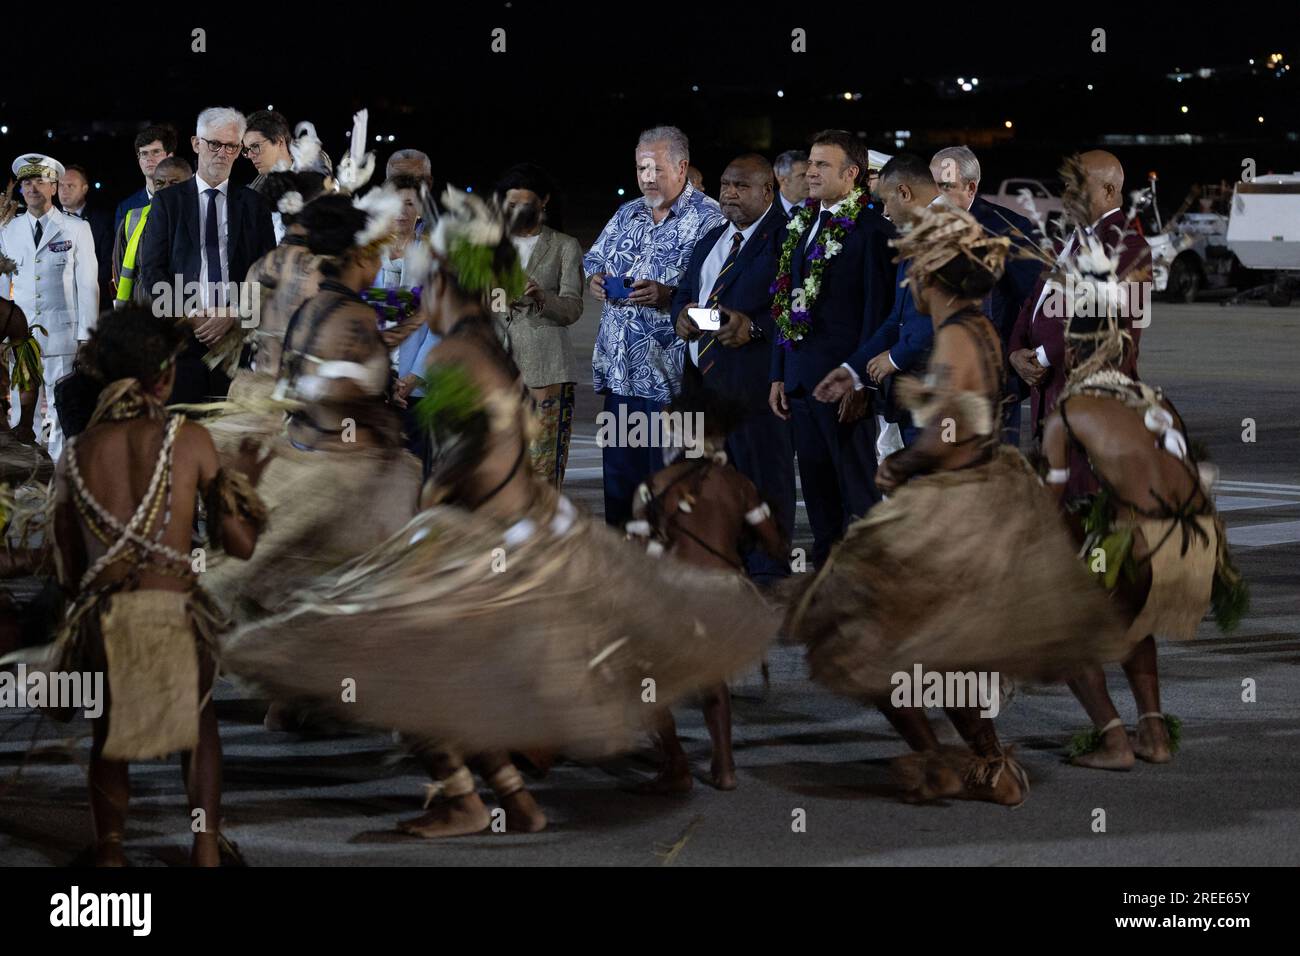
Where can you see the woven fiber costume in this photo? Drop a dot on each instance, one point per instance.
(338, 481)
(965, 569)
(148, 641)
(1182, 543)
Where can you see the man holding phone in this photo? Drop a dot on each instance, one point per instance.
(635, 265)
(730, 280)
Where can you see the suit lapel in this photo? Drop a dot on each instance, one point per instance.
(190, 216)
(234, 216)
(540, 250)
(771, 222)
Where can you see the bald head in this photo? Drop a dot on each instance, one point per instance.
(1105, 182)
(746, 189)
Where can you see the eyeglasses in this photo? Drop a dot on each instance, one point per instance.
(215, 146)
(255, 149)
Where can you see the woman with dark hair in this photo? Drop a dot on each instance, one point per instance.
(126, 493)
(538, 320)
(341, 445)
(499, 618)
(943, 575)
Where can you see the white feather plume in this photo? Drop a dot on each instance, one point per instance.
(382, 207)
(356, 168)
(466, 216)
(290, 203)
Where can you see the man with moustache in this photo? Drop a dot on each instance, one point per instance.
(637, 360)
(208, 232)
(835, 317)
(956, 172)
(731, 270)
(791, 169)
(55, 280)
(1037, 342)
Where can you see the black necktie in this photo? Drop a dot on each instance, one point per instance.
(211, 242)
(822, 219)
(736, 240)
(37, 233)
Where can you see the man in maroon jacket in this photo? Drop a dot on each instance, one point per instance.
(1037, 345)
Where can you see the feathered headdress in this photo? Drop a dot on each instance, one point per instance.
(308, 157)
(936, 235)
(470, 240)
(7, 266)
(356, 168)
(382, 207)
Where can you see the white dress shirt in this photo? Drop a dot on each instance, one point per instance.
(223, 234)
(786, 204)
(43, 220)
(524, 245)
(816, 223)
(1066, 250)
(714, 262)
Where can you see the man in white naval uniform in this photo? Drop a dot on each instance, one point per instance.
(56, 283)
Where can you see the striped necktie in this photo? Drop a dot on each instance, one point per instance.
(736, 239)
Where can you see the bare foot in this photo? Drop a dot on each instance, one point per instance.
(999, 780)
(929, 774)
(673, 778)
(723, 775)
(523, 815)
(455, 817)
(1113, 754)
(1151, 740)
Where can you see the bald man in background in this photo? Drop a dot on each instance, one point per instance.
(1037, 346)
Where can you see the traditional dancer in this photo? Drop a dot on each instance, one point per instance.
(703, 511)
(20, 368)
(499, 618)
(342, 444)
(126, 494)
(942, 575)
(1143, 510)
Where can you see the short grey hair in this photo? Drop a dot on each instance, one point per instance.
(413, 156)
(215, 116)
(785, 162)
(968, 167)
(679, 147)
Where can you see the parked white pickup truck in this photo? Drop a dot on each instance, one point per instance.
(1020, 195)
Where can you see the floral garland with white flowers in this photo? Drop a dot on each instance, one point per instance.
(791, 323)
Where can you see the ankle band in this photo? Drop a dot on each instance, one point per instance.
(506, 781)
(1117, 722)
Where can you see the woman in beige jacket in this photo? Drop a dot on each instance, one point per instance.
(538, 321)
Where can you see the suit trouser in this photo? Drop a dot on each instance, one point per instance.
(626, 467)
(762, 450)
(195, 382)
(53, 367)
(836, 469)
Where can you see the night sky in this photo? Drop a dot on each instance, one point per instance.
(576, 83)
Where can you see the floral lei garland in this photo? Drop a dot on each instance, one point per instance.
(792, 324)
(392, 305)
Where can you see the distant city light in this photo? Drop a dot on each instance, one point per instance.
(1007, 124)
(4, 129)
(848, 96)
(469, 189)
(49, 134)
(269, 106)
(961, 79)
(975, 81)
(391, 137)
(1089, 86)
(379, 139)
(780, 93)
(97, 185)
(1183, 109)
(1252, 62)
(966, 87)
(620, 192)
(695, 89)
(1259, 119)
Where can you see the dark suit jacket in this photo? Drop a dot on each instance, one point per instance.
(747, 287)
(856, 296)
(172, 246)
(137, 200)
(1034, 328)
(101, 228)
(908, 336)
(1021, 274)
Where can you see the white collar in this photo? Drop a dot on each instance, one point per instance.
(204, 186)
(1094, 226)
(821, 207)
(43, 219)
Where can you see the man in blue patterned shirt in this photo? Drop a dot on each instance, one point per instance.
(637, 362)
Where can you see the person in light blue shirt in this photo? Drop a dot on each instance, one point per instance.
(637, 361)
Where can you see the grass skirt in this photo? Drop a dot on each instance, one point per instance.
(323, 508)
(453, 634)
(21, 464)
(1181, 584)
(968, 570)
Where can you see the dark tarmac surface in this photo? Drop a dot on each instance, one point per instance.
(1230, 797)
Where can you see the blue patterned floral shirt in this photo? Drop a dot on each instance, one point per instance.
(637, 352)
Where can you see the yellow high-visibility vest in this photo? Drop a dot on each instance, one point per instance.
(134, 230)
